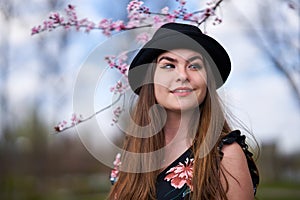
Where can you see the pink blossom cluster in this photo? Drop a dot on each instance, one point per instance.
(164, 16)
(211, 2)
(56, 19)
(120, 88)
(137, 14)
(217, 21)
(182, 2)
(134, 5)
(115, 172)
(142, 38)
(60, 126)
(70, 19)
(181, 13)
(119, 63)
(75, 119)
(117, 113)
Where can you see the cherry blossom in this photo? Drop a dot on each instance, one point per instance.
(119, 88)
(117, 113)
(75, 119)
(134, 5)
(142, 38)
(119, 63)
(165, 10)
(115, 172)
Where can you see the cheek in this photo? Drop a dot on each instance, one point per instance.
(161, 88)
(201, 83)
(202, 95)
(161, 83)
(202, 80)
(159, 78)
(159, 92)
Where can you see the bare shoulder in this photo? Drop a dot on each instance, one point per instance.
(236, 171)
(233, 151)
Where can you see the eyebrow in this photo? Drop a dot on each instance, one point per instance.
(195, 58)
(168, 59)
(175, 60)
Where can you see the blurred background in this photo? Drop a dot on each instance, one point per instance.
(38, 74)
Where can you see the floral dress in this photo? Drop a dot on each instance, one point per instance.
(175, 182)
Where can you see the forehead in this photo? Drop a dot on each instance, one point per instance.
(180, 54)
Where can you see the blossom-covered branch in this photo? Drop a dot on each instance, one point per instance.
(139, 16)
(77, 119)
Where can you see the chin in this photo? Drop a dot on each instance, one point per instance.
(183, 107)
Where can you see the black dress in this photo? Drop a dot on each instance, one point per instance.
(174, 183)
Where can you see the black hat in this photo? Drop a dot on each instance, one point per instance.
(173, 36)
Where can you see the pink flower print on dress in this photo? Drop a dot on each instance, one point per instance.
(181, 174)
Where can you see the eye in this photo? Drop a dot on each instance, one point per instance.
(167, 66)
(195, 67)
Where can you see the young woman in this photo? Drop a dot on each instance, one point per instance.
(180, 144)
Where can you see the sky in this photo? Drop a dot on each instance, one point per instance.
(255, 91)
(262, 97)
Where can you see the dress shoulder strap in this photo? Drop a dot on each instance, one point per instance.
(235, 136)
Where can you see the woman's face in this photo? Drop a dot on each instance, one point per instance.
(180, 80)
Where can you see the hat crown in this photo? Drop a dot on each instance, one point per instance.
(181, 28)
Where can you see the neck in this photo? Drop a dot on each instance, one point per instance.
(178, 135)
(177, 127)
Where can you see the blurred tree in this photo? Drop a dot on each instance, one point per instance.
(7, 12)
(275, 29)
(23, 149)
(35, 164)
(47, 54)
(51, 52)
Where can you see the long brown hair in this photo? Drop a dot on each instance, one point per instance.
(211, 127)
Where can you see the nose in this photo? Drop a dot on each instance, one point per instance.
(182, 74)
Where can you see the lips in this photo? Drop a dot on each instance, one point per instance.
(182, 91)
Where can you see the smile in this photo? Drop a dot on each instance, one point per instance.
(182, 91)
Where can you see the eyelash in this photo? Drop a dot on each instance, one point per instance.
(196, 66)
(192, 66)
(167, 66)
